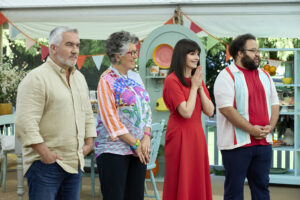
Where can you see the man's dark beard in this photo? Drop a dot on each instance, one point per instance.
(249, 63)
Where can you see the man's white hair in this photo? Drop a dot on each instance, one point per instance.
(56, 35)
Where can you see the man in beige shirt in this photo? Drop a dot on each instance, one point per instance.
(54, 121)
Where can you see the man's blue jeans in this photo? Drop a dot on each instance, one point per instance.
(51, 182)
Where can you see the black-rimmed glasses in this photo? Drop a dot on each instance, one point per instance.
(255, 51)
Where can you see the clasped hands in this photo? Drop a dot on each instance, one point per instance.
(197, 78)
(260, 132)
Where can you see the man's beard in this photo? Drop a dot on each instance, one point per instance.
(65, 62)
(249, 63)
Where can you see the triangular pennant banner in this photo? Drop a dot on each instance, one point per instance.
(3, 19)
(80, 61)
(194, 27)
(227, 52)
(44, 52)
(210, 43)
(138, 48)
(170, 21)
(186, 22)
(29, 43)
(13, 32)
(98, 61)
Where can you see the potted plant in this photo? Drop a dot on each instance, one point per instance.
(10, 77)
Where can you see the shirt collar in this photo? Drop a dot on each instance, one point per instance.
(57, 68)
(125, 76)
(233, 67)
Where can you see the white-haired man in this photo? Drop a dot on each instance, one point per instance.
(54, 121)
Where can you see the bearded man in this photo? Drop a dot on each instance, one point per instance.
(247, 112)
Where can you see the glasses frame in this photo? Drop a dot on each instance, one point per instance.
(132, 53)
(255, 51)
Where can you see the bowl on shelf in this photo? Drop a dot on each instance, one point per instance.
(287, 80)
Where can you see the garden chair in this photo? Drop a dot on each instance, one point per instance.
(7, 143)
(90, 170)
(156, 133)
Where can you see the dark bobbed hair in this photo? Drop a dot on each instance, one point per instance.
(118, 44)
(178, 63)
(238, 44)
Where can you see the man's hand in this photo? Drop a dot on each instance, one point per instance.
(88, 146)
(50, 157)
(47, 156)
(260, 132)
(86, 149)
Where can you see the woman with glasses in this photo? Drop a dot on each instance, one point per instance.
(122, 146)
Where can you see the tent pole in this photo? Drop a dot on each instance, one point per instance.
(178, 16)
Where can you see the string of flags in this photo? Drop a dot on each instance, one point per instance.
(98, 58)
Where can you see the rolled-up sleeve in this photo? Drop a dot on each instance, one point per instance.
(108, 111)
(29, 110)
(274, 94)
(90, 127)
(224, 90)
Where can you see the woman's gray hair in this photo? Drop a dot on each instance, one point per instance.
(56, 35)
(118, 44)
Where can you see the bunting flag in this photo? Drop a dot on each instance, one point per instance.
(187, 22)
(98, 61)
(44, 52)
(29, 43)
(13, 32)
(170, 21)
(194, 27)
(191, 25)
(227, 53)
(80, 61)
(138, 47)
(210, 43)
(3, 19)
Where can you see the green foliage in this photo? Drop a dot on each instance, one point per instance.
(10, 77)
(89, 69)
(149, 63)
(285, 43)
(16, 55)
(215, 62)
(284, 122)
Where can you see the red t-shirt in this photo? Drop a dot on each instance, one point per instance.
(258, 111)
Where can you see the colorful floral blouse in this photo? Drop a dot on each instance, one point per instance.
(124, 107)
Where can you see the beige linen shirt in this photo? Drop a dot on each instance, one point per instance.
(50, 111)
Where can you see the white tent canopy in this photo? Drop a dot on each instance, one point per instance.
(96, 19)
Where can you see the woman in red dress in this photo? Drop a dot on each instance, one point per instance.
(187, 174)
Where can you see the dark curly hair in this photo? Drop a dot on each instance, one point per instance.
(238, 44)
(118, 44)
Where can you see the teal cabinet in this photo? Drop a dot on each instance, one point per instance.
(167, 35)
(292, 152)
